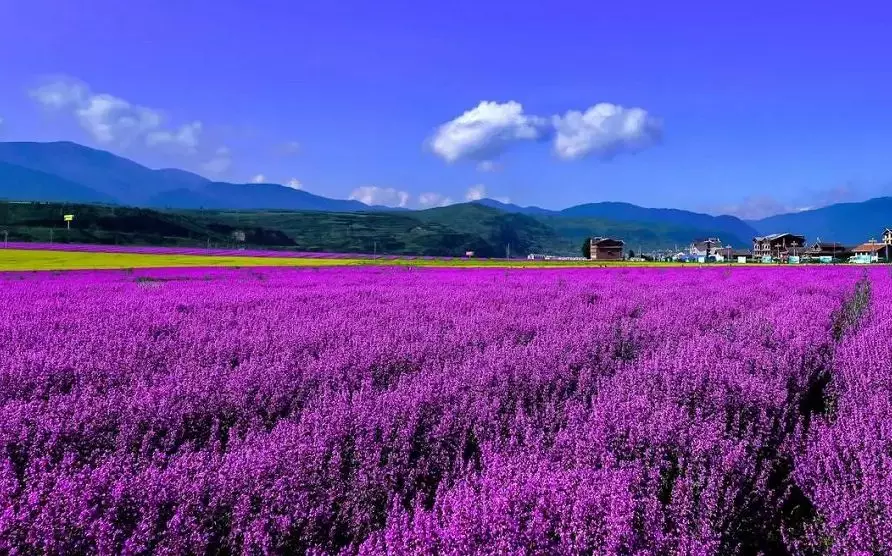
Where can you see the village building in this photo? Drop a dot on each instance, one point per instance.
(705, 247)
(873, 251)
(778, 246)
(821, 249)
(737, 255)
(605, 249)
(887, 236)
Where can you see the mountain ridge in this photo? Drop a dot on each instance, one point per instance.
(134, 184)
(848, 223)
(64, 171)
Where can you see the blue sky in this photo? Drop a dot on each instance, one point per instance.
(749, 108)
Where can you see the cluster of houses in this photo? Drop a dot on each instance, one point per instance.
(773, 248)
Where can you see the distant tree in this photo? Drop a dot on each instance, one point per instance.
(631, 254)
(587, 248)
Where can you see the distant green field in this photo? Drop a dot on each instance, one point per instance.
(27, 260)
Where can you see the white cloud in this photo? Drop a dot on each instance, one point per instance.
(488, 166)
(185, 138)
(604, 130)
(61, 94)
(430, 200)
(295, 183)
(475, 193)
(220, 162)
(259, 178)
(111, 120)
(373, 195)
(485, 131)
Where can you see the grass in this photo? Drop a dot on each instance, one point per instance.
(28, 260)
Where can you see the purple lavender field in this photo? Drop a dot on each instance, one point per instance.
(406, 411)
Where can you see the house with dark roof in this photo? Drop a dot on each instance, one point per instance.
(830, 249)
(705, 247)
(605, 249)
(778, 246)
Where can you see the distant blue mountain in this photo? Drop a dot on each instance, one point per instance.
(847, 223)
(68, 172)
(517, 209)
(24, 184)
(625, 212)
(119, 178)
(183, 177)
(232, 196)
(84, 174)
(731, 226)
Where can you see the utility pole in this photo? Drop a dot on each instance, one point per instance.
(375, 249)
(5, 239)
(51, 236)
(508, 251)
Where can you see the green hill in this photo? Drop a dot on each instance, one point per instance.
(447, 231)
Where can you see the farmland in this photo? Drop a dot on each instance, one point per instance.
(30, 257)
(371, 409)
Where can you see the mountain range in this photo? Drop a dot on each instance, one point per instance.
(72, 173)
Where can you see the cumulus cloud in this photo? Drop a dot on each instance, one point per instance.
(603, 131)
(186, 137)
(61, 94)
(294, 183)
(475, 193)
(220, 162)
(373, 195)
(430, 200)
(259, 178)
(111, 120)
(485, 131)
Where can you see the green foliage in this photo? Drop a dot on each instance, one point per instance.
(446, 231)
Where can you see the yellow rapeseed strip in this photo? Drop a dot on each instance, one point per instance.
(29, 260)
(25, 260)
